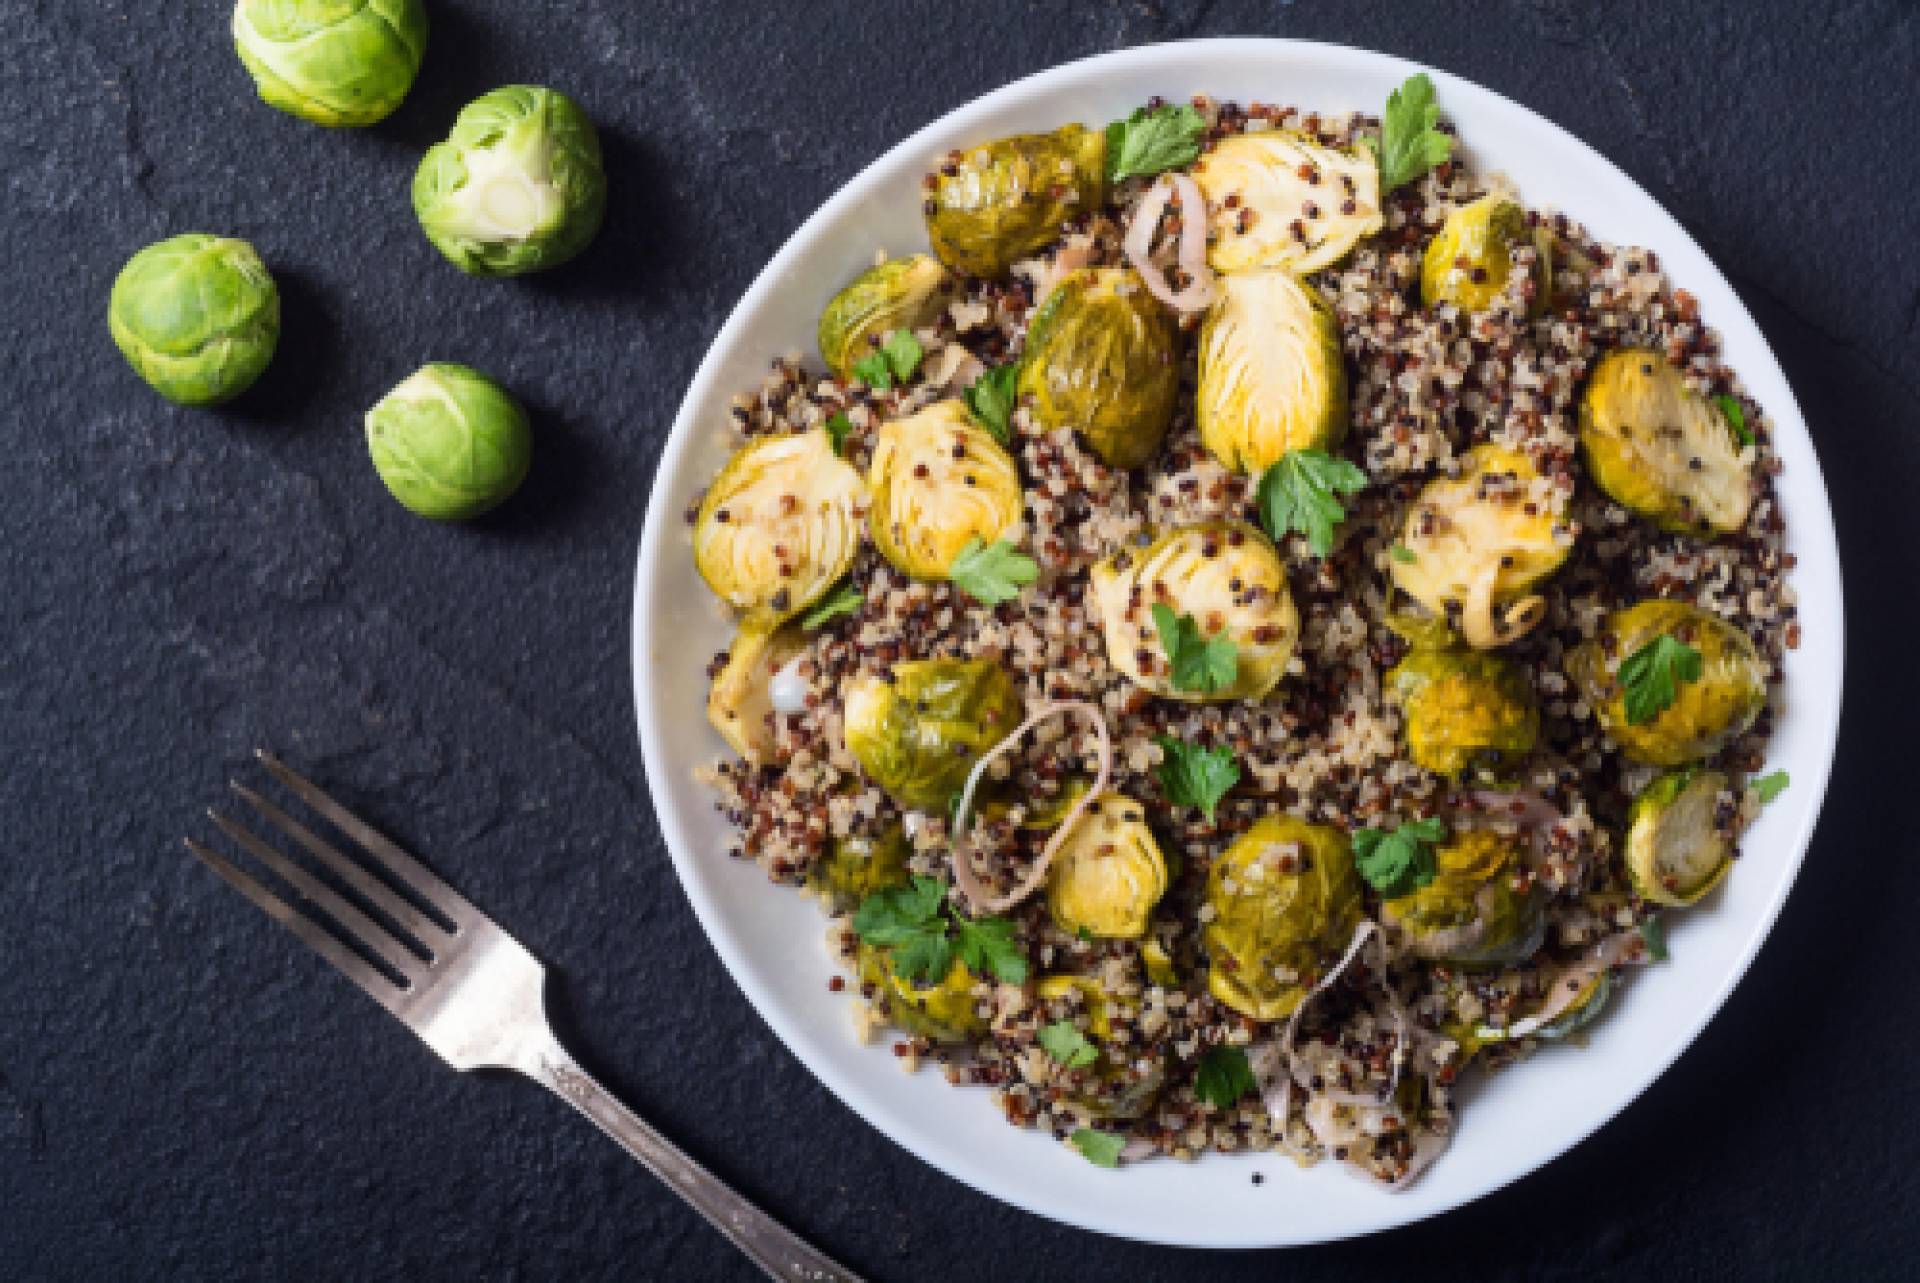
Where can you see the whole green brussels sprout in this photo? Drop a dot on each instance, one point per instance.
(1103, 357)
(197, 317)
(1464, 708)
(1469, 260)
(919, 735)
(858, 865)
(1113, 1086)
(1661, 450)
(1705, 713)
(938, 482)
(1285, 900)
(517, 186)
(333, 62)
(943, 1012)
(899, 294)
(780, 525)
(1474, 912)
(449, 442)
(1108, 873)
(1273, 178)
(999, 202)
(1680, 836)
(1271, 375)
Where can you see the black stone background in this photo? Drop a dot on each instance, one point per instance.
(186, 1093)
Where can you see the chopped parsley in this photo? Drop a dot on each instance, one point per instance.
(896, 359)
(1399, 862)
(837, 428)
(1736, 419)
(844, 600)
(1066, 1044)
(916, 928)
(991, 398)
(1204, 664)
(1102, 1149)
(1224, 1077)
(1195, 776)
(992, 573)
(1410, 144)
(1654, 932)
(1301, 492)
(1152, 142)
(1769, 786)
(1650, 677)
(986, 946)
(1403, 554)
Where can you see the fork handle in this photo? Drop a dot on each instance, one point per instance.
(766, 1242)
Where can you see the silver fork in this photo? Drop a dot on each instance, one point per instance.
(476, 997)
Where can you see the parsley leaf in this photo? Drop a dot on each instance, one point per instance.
(1769, 786)
(915, 926)
(986, 945)
(896, 359)
(1654, 932)
(844, 600)
(1409, 144)
(873, 370)
(1399, 862)
(1403, 554)
(1651, 677)
(1199, 663)
(1224, 1077)
(991, 399)
(1736, 419)
(924, 958)
(1194, 776)
(837, 428)
(1152, 142)
(1102, 1149)
(1301, 492)
(889, 917)
(1068, 1045)
(992, 573)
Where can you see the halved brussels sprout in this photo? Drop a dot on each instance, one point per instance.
(1464, 709)
(1103, 357)
(1271, 375)
(920, 734)
(1469, 260)
(1705, 714)
(1472, 913)
(1591, 1002)
(858, 865)
(1107, 1088)
(1225, 574)
(1478, 543)
(333, 62)
(1660, 449)
(196, 316)
(939, 480)
(944, 1012)
(779, 525)
(1679, 841)
(899, 294)
(1285, 901)
(1297, 204)
(739, 703)
(1109, 873)
(1001, 201)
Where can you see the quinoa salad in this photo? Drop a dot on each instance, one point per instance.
(1251, 625)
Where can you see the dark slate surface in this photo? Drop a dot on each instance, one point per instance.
(185, 1093)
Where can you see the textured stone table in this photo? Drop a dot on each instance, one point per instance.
(185, 1093)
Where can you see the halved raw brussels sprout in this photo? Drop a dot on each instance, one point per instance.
(899, 294)
(1228, 577)
(943, 1012)
(1464, 708)
(1280, 199)
(779, 525)
(1661, 450)
(1108, 1088)
(1704, 714)
(1469, 260)
(1679, 837)
(1475, 912)
(739, 703)
(1103, 357)
(920, 734)
(860, 864)
(937, 481)
(1285, 901)
(1000, 201)
(1271, 375)
(1109, 873)
(1476, 544)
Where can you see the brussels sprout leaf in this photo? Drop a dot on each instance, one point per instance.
(847, 599)
(1204, 664)
(911, 924)
(1152, 142)
(987, 946)
(1102, 1149)
(1654, 932)
(1651, 677)
(1769, 786)
(1068, 1045)
(837, 428)
(1736, 419)
(1401, 861)
(991, 400)
(1409, 144)
(1224, 1077)
(992, 573)
(1194, 776)
(1301, 492)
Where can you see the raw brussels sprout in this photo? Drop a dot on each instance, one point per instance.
(858, 865)
(1225, 574)
(1103, 357)
(1705, 714)
(1285, 901)
(449, 442)
(943, 1012)
(1469, 260)
(196, 316)
(779, 525)
(739, 703)
(333, 62)
(1472, 913)
(1478, 543)
(1271, 375)
(1464, 709)
(1301, 206)
(1660, 449)
(516, 187)
(1002, 200)
(1679, 839)
(1108, 873)
(1108, 1088)
(939, 480)
(920, 734)
(899, 294)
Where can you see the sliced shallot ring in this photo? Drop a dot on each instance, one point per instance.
(1199, 290)
(1569, 984)
(1477, 622)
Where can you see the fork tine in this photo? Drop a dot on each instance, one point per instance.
(449, 902)
(349, 963)
(370, 933)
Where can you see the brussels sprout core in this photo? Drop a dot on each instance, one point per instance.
(1285, 901)
(1679, 839)
(939, 481)
(449, 442)
(1271, 375)
(779, 525)
(333, 62)
(1109, 873)
(1660, 449)
(1277, 177)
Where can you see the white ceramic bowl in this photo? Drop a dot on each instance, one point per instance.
(771, 938)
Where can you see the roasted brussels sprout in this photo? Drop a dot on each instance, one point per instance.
(1109, 873)
(449, 442)
(858, 865)
(1001, 201)
(1680, 837)
(1271, 375)
(1285, 901)
(1660, 449)
(1109, 1087)
(779, 525)
(1474, 912)
(1159, 964)
(1704, 714)
(920, 734)
(333, 62)
(1477, 543)
(1228, 577)
(196, 316)
(1585, 1009)
(1102, 356)
(1464, 709)
(899, 294)
(739, 703)
(944, 1012)
(1470, 259)
(937, 481)
(516, 187)
(1300, 205)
